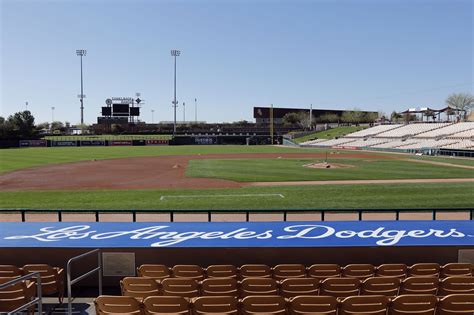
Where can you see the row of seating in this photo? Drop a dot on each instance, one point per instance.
(141, 287)
(320, 271)
(456, 304)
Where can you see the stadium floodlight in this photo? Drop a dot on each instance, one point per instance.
(175, 53)
(81, 53)
(52, 113)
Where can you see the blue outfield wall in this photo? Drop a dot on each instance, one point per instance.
(236, 234)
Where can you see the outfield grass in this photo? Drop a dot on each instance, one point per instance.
(303, 197)
(330, 133)
(289, 169)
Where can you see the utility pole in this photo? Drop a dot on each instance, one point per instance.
(175, 53)
(271, 122)
(52, 114)
(82, 53)
(195, 110)
(152, 116)
(184, 112)
(26, 105)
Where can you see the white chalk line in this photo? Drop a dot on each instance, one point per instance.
(221, 196)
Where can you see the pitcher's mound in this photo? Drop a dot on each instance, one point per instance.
(327, 165)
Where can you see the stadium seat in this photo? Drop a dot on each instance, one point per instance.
(323, 271)
(255, 270)
(166, 305)
(158, 272)
(456, 269)
(340, 287)
(299, 286)
(456, 285)
(387, 286)
(392, 270)
(221, 271)
(207, 305)
(220, 287)
(139, 287)
(419, 285)
(188, 271)
(413, 305)
(359, 271)
(285, 271)
(259, 305)
(10, 271)
(321, 305)
(108, 305)
(424, 270)
(52, 279)
(258, 286)
(456, 304)
(183, 287)
(15, 295)
(361, 305)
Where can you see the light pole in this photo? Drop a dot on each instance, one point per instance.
(184, 112)
(195, 110)
(152, 116)
(26, 105)
(175, 53)
(81, 53)
(52, 114)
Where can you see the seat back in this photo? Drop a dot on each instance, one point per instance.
(188, 271)
(154, 271)
(220, 287)
(255, 271)
(183, 287)
(419, 285)
(413, 304)
(323, 271)
(105, 305)
(205, 305)
(166, 305)
(285, 271)
(9, 271)
(456, 285)
(359, 271)
(424, 270)
(299, 286)
(456, 269)
(340, 287)
(361, 305)
(392, 270)
(139, 287)
(221, 271)
(13, 296)
(387, 286)
(51, 281)
(259, 305)
(320, 305)
(258, 286)
(456, 304)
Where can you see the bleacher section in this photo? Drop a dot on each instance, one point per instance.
(409, 137)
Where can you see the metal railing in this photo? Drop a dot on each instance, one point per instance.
(210, 213)
(36, 301)
(70, 281)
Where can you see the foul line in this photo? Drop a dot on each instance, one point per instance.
(222, 196)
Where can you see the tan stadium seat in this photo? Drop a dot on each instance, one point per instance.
(413, 305)
(456, 304)
(456, 269)
(255, 271)
(188, 271)
(419, 285)
(139, 287)
(15, 295)
(158, 272)
(166, 305)
(359, 271)
(323, 271)
(424, 270)
(392, 270)
(258, 286)
(340, 287)
(299, 286)
(364, 305)
(207, 305)
(312, 305)
(220, 287)
(387, 286)
(113, 305)
(260, 305)
(10, 271)
(184, 287)
(456, 285)
(221, 271)
(285, 271)
(52, 279)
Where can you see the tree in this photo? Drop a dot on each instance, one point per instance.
(57, 125)
(461, 102)
(395, 117)
(329, 118)
(348, 117)
(23, 124)
(291, 119)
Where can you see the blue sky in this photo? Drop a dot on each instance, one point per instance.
(379, 55)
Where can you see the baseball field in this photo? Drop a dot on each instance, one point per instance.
(229, 177)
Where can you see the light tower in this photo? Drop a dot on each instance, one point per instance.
(52, 113)
(175, 53)
(81, 53)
